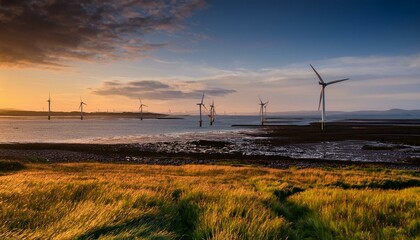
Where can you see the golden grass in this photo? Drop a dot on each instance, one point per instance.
(107, 201)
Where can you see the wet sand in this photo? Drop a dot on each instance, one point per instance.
(339, 145)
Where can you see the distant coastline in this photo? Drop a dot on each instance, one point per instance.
(23, 113)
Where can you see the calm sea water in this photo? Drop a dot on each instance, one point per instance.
(119, 130)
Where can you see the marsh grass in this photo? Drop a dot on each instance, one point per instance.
(121, 201)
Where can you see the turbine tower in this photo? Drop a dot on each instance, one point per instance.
(322, 95)
(141, 109)
(201, 104)
(212, 114)
(263, 106)
(81, 108)
(49, 107)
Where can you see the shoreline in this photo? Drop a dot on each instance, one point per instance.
(246, 152)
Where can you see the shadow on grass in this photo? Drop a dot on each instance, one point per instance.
(176, 220)
(10, 166)
(388, 184)
(304, 222)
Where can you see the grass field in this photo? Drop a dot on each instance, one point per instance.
(122, 201)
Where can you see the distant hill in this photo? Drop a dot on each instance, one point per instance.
(388, 114)
(374, 114)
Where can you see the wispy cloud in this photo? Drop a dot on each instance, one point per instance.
(160, 90)
(50, 32)
(372, 85)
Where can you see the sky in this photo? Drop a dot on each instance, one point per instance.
(168, 52)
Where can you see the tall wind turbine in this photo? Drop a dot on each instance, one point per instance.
(263, 107)
(322, 95)
(141, 109)
(49, 107)
(212, 114)
(201, 104)
(81, 108)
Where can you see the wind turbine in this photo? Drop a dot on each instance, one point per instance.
(212, 114)
(322, 95)
(263, 106)
(81, 108)
(201, 104)
(49, 106)
(141, 109)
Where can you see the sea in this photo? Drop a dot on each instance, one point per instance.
(122, 130)
(94, 129)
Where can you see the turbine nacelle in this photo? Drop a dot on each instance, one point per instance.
(141, 104)
(322, 94)
(81, 105)
(201, 104)
(263, 108)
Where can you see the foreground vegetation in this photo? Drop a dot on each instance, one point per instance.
(108, 201)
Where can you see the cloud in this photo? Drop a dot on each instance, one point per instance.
(159, 90)
(50, 32)
(369, 71)
(388, 81)
(376, 82)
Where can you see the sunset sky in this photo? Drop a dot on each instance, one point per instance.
(168, 52)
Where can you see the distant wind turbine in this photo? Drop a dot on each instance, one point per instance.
(263, 108)
(322, 95)
(49, 106)
(141, 109)
(212, 114)
(201, 104)
(81, 108)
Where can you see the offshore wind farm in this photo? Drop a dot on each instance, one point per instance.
(201, 119)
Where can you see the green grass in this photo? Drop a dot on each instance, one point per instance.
(121, 201)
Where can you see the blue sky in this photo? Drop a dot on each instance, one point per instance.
(233, 50)
(260, 34)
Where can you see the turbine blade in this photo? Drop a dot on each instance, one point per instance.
(145, 105)
(204, 106)
(319, 76)
(336, 81)
(320, 99)
(260, 100)
(202, 98)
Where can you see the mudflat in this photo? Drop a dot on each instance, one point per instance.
(394, 144)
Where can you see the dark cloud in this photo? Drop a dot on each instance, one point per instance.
(152, 89)
(149, 85)
(47, 32)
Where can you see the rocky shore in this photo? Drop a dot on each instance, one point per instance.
(340, 145)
